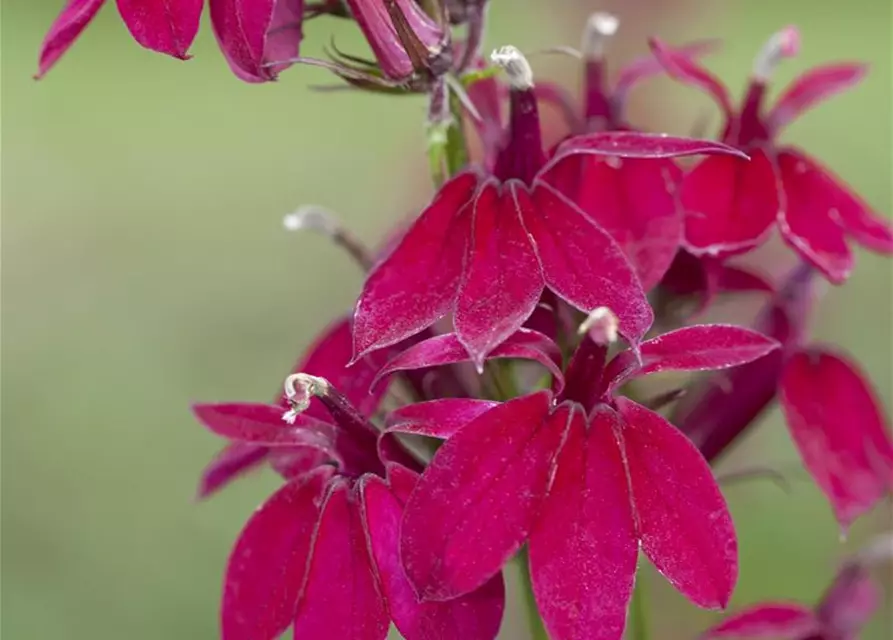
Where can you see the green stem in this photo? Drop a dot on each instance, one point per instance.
(638, 610)
(534, 622)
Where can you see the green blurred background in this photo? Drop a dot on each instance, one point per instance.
(145, 266)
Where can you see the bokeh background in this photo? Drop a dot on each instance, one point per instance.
(145, 266)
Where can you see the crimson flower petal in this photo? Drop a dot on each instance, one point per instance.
(583, 264)
(166, 26)
(583, 549)
(341, 597)
(475, 616)
(447, 349)
(730, 205)
(416, 284)
(684, 523)
(268, 563)
(686, 70)
(478, 499)
(635, 144)
(767, 620)
(263, 424)
(240, 27)
(634, 201)
(694, 348)
(837, 422)
(67, 27)
(503, 280)
(649, 66)
(849, 602)
(234, 460)
(284, 35)
(437, 418)
(810, 221)
(811, 88)
(293, 462)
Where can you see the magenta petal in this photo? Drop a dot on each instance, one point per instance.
(166, 26)
(284, 35)
(241, 29)
(234, 460)
(695, 348)
(475, 616)
(477, 500)
(583, 264)
(849, 602)
(767, 620)
(503, 280)
(341, 597)
(444, 349)
(730, 205)
(838, 424)
(67, 27)
(684, 523)
(437, 418)
(811, 88)
(583, 549)
(648, 66)
(263, 424)
(635, 144)
(416, 284)
(634, 201)
(682, 67)
(268, 563)
(809, 222)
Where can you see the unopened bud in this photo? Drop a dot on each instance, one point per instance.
(602, 326)
(599, 29)
(515, 65)
(783, 44)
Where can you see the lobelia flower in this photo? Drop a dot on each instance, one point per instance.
(731, 207)
(321, 554)
(166, 26)
(491, 242)
(584, 475)
(834, 416)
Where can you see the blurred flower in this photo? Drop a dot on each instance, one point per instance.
(731, 207)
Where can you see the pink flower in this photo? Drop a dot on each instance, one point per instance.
(491, 242)
(166, 26)
(585, 477)
(731, 207)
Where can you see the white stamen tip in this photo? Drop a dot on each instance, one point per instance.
(299, 390)
(783, 44)
(878, 550)
(290, 416)
(599, 29)
(515, 65)
(602, 325)
(311, 217)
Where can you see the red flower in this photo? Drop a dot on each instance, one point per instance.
(732, 206)
(488, 244)
(166, 26)
(585, 477)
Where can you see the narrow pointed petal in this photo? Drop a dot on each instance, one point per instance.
(811, 88)
(233, 461)
(809, 222)
(583, 550)
(702, 347)
(767, 620)
(67, 27)
(838, 424)
(634, 201)
(583, 264)
(268, 563)
(341, 597)
(730, 205)
(437, 418)
(284, 35)
(263, 424)
(416, 284)
(478, 499)
(684, 522)
(294, 462)
(503, 280)
(635, 144)
(240, 27)
(849, 602)
(447, 349)
(683, 68)
(166, 26)
(647, 67)
(475, 616)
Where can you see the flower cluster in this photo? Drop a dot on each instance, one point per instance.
(487, 395)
